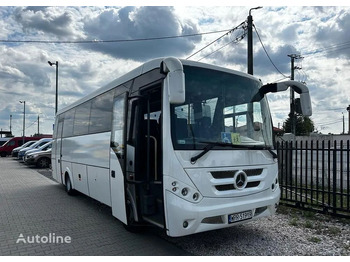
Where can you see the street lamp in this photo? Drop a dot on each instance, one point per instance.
(24, 117)
(56, 64)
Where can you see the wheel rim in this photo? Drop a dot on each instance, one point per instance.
(43, 163)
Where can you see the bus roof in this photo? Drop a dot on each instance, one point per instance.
(142, 69)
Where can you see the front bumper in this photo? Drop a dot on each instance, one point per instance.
(185, 218)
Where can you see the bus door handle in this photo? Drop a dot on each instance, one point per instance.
(113, 173)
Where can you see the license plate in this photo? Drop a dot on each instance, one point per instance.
(233, 218)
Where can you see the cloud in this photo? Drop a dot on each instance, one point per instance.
(279, 56)
(25, 74)
(53, 21)
(331, 34)
(140, 23)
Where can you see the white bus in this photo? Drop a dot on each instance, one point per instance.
(185, 146)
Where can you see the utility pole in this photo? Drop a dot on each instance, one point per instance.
(24, 117)
(11, 124)
(250, 40)
(292, 100)
(38, 125)
(348, 109)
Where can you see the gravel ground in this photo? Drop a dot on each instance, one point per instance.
(290, 232)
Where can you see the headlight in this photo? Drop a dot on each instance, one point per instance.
(185, 191)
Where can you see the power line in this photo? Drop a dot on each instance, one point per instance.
(235, 41)
(229, 31)
(110, 41)
(268, 54)
(31, 124)
(328, 49)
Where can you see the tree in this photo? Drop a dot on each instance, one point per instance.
(304, 125)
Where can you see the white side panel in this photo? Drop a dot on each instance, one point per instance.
(117, 189)
(89, 149)
(80, 178)
(99, 184)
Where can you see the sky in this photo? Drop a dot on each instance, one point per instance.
(320, 35)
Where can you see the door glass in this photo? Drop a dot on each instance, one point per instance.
(117, 140)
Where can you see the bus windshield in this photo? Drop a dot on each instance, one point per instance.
(219, 109)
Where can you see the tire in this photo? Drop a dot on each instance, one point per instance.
(68, 186)
(43, 162)
(3, 154)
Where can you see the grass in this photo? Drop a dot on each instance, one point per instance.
(314, 239)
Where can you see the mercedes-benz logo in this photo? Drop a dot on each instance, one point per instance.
(240, 180)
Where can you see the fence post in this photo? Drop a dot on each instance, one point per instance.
(335, 177)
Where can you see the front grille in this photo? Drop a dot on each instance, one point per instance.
(231, 187)
(231, 173)
(227, 176)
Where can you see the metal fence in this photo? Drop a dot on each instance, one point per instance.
(316, 175)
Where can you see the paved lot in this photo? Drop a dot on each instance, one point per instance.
(34, 208)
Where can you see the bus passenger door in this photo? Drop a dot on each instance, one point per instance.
(58, 153)
(144, 158)
(117, 158)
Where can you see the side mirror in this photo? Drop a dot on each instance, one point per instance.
(173, 68)
(305, 101)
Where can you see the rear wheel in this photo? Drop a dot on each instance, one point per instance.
(3, 154)
(69, 188)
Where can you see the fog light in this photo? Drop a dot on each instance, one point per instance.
(185, 224)
(195, 196)
(184, 191)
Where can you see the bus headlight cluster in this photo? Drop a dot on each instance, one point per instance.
(186, 192)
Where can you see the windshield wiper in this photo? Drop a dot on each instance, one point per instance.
(210, 145)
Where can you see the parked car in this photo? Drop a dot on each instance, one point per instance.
(41, 159)
(14, 142)
(37, 144)
(15, 151)
(44, 147)
(3, 140)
